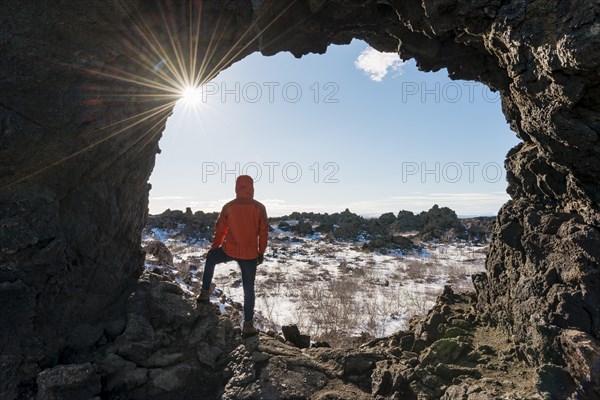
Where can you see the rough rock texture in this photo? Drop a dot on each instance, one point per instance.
(450, 361)
(172, 348)
(74, 164)
(68, 382)
(159, 251)
(169, 347)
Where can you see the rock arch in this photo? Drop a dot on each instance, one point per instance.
(73, 180)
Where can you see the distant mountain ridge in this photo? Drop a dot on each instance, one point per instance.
(403, 230)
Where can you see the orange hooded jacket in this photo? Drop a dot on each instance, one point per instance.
(242, 227)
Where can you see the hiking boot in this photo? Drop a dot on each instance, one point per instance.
(204, 296)
(248, 329)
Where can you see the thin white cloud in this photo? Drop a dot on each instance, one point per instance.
(467, 203)
(209, 205)
(279, 207)
(165, 198)
(377, 64)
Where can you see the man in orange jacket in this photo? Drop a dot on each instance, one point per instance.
(240, 234)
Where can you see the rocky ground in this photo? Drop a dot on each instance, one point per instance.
(168, 347)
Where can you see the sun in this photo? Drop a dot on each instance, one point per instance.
(191, 95)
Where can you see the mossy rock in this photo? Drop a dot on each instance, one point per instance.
(454, 332)
(446, 351)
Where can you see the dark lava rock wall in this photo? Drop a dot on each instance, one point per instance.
(74, 164)
(77, 148)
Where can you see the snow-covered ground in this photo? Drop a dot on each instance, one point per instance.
(332, 289)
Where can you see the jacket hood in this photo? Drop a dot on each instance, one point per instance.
(244, 186)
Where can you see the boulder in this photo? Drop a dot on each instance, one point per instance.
(68, 382)
(292, 334)
(159, 250)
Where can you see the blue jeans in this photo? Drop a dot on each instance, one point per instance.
(248, 268)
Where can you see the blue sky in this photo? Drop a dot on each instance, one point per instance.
(352, 128)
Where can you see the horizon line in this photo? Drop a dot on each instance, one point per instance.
(364, 215)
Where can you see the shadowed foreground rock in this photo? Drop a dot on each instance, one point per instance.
(74, 166)
(168, 347)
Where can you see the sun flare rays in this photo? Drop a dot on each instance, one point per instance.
(167, 55)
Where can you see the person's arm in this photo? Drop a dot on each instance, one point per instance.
(263, 231)
(220, 229)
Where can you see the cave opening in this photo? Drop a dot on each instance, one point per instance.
(399, 139)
